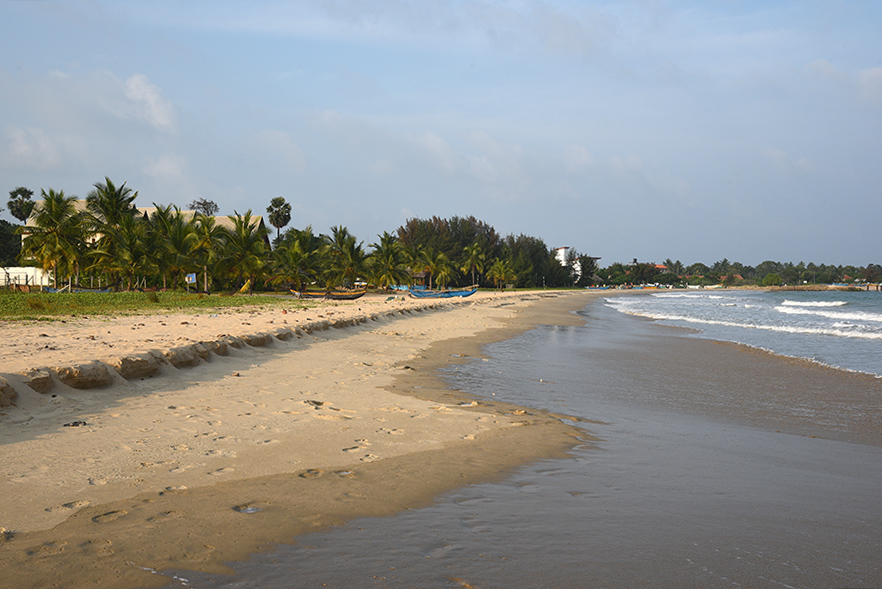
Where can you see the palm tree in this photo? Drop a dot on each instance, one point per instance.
(440, 268)
(415, 259)
(473, 259)
(56, 238)
(159, 223)
(130, 254)
(209, 241)
(294, 264)
(387, 261)
(181, 245)
(279, 214)
(106, 207)
(501, 272)
(244, 248)
(346, 258)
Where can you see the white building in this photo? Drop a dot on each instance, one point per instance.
(25, 276)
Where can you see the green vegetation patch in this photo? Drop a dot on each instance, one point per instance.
(24, 306)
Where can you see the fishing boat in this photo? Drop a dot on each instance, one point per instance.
(442, 294)
(332, 295)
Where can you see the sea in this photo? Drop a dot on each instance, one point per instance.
(655, 495)
(838, 328)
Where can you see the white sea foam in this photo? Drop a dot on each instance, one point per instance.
(775, 328)
(838, 315)
(789, 303)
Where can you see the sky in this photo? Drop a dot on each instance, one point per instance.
(653, 129)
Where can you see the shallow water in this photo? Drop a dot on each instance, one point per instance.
(667, 497)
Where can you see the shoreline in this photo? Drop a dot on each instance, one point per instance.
(357, 440)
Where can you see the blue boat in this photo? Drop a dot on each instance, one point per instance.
(442, 294)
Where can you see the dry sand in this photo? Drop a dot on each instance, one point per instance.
(233, 431)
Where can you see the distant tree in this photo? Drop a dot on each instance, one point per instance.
(772, 279)
(10, 243)
(387, 262)
(473, 260)
(501, 272)
(56, 239)
(205, 206)
(20, 203)
(279, 214)
(588, 269)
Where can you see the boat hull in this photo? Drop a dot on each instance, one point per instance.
(333, 295)
(442, 294)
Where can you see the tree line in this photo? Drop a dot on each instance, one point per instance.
(767, 273)
(108, 242)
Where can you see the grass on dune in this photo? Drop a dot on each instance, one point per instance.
(48, 306)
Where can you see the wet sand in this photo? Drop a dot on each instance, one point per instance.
(196, 466)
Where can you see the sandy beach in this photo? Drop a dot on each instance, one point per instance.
(141, 443)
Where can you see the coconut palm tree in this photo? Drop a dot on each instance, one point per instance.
(106, 207)
(56, 239)
(501, 272)
(181, 245)
(441, 269)
(209, 242)
(473, 259)
(157, 235)
(387, 262)
(130, 255)
(294, 264)
(244, 252)
(345, 257)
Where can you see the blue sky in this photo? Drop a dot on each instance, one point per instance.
(651, 129)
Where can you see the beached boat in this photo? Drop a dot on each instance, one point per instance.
(442, 294)
(333, 295)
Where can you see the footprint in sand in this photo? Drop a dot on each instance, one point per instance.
(312, 473)
(221, 471)
(177, 490)
(165, 515)
(47, 548)
(333, 417)
(180, 469)
(96, 547)
(369, 458)
(394, 432)
(109, 516)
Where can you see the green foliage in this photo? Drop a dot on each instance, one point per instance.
(772, 279)
(202, 205)
(16, 305)
(279, 214)
(20, 203)
(10, 243)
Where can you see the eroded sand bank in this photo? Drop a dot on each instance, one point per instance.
(218, 455)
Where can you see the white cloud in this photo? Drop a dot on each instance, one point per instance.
(577, 158)
(784, 161)
(166, 168)
(870, 84)
(34, 148)
(440, 152)
(147, 102)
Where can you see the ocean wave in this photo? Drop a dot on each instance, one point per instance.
(838, 315)
(789, 303)
(827, 331)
